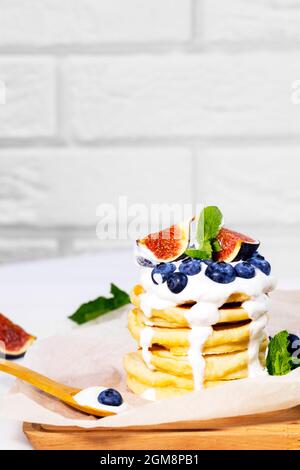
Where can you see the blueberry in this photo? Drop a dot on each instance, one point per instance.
(257, 255)
(207, 261)
(245, 270)
(144, 262)
(110, 397)
(221, 272)
(161, 272)
(165, 268)
(190, 267)
(177, 282)
(261, 264)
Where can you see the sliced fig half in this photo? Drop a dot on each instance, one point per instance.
(235, 246)
(169, 244)
(14, 341)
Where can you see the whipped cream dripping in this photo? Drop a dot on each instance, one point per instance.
(200, 288)
(256, 335)
(209, 296)
(149, 394)
(197, 338)
(145, 343)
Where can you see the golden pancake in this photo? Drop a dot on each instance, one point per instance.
(161, 393)
(217, 366)
(135, 367)
(177, 372)
(224, 339)
(157, 393)
(175, 317)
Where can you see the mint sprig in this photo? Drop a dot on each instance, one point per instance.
(279, 359)
(215, 244)
(198, 254)
(208, 227)
(95, 308)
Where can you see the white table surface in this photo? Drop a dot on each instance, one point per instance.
(40, 295)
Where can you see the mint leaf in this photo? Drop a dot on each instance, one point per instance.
(279, 360)
(215, 244)
(100, 306)
(208, 227)
(209, 224)
(207, 247)
(198, 254)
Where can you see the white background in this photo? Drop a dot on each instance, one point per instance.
(159, 100)
(162, 101)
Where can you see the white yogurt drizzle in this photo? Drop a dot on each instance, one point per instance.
(145, 343)
(149, 394)
(197, 338)
(89, 397)
(209, 296)
(255, 338)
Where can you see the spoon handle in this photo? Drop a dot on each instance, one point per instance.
(56, 389)
(39, 381)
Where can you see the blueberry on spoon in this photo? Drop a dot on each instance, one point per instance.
(110, 397)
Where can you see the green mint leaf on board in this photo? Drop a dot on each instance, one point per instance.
(198, 254)
(100, 306)
(279, 360)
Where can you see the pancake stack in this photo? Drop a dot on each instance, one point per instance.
(174, 358)
(199, 313)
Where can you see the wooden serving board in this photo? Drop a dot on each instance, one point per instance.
(277, 430)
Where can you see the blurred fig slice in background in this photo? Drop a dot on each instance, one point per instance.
(14, 341)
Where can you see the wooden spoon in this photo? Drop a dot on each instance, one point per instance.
(55, 389)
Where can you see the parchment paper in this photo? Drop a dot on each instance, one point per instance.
(92, 355)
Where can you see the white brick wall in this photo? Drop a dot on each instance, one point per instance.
(92, 22)
(256, 185)
(19, 249)
(30, 109)
(161, 100)
(62, 188)
(183, 95)
(272, 22)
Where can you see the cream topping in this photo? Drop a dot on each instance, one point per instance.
(257, 306)
(197, 337)
(149, 394)
(145, 343)
(89, 397)
(202, 314)
(208, 296)
(200, 288)
(256, 336)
